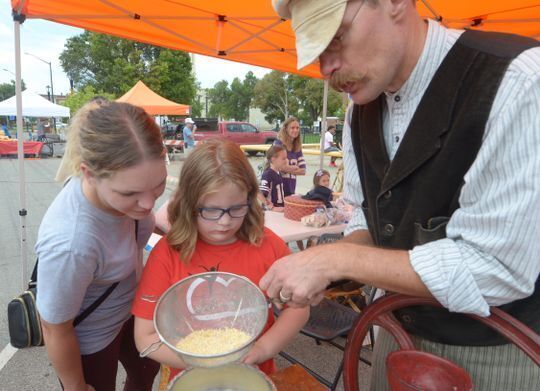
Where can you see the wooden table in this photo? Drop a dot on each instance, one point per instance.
(307, 149)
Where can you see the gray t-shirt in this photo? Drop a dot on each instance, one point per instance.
(83, 250)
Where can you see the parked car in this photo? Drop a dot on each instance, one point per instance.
(242, 133)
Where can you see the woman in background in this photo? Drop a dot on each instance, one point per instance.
(289, 137)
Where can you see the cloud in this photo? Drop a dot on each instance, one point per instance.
(205, 70)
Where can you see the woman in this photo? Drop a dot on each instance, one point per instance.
(89, 240)
(289, 137)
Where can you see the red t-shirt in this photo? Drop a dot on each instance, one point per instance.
(164, 268)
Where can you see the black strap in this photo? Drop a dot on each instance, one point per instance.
(83, 315)
(94, 305)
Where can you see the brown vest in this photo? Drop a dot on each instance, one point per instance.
(409, 201)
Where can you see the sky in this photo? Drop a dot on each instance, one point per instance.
(46, 40)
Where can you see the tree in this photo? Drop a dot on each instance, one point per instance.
(234, 101)
(242, 96)
(171, 76)
(7, 90)
(275, 96)
(219, 96)
(196, 105)
(76, 100)
(114, 65)
(309, 93)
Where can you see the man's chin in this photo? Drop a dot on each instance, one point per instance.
(362, 96)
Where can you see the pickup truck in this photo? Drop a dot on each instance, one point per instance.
(238, 132)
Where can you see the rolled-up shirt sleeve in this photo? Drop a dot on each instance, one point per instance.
(491, 254)
(352, 190)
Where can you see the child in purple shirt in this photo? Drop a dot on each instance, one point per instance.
(271, 186)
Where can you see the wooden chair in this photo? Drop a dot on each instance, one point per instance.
(380, 313)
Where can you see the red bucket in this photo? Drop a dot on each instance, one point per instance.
(413, 370)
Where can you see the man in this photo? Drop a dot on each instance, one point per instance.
(442, 153)
(6, 130)
(187, 132)
(40, 128)
(329, 145)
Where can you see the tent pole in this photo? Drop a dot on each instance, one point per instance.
(323, 123)
(20, 152)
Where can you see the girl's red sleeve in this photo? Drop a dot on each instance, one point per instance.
(157, 277)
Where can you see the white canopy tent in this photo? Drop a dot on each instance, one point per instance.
(33, 105)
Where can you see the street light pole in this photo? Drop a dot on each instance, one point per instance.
(50, 73)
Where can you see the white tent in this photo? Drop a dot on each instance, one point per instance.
(33, 105)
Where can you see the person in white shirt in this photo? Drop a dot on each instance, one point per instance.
(441, 151)
(329, 145)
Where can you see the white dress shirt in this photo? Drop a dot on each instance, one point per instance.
(491, 255)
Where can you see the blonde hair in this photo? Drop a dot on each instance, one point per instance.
(291, 144)
(109, 136)
(210, 166)
(271, 152)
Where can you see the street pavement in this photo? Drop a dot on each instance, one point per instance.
(29, 369)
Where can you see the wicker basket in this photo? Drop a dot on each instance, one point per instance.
(296, 207)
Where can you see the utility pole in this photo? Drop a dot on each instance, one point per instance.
(51, 98)
(206, 100)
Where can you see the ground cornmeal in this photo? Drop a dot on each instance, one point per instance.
(210, 342)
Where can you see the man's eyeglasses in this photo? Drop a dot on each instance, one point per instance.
(336, 44)
(235, 211)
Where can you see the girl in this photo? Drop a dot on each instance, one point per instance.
(289, 137)
(89, 240)
(321, 188)
(216, 224)
(321, 178)
(271, 186)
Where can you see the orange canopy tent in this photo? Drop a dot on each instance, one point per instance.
(152, 103)
(250, 31)
(245, 31)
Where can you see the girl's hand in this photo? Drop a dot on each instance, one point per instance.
(256, 355)
(90, 388)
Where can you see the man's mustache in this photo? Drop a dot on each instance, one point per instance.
(340, 79)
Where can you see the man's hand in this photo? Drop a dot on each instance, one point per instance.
(302, 276)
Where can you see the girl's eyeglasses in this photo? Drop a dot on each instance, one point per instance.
(235, 211)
